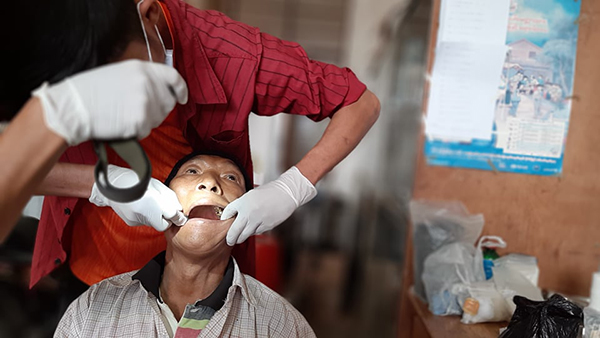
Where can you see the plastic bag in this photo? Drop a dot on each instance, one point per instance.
(436, 224)
(482, 303)
(591, 319)
(510, 283)
(524, 264)
(555, 318)
(450, 265)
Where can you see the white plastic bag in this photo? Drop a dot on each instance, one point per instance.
(591, 320)
(482, 303)
(524, 264)
(510, 282)
(435, 224)
(450, 265)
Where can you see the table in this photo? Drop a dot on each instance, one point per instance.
(427, 325)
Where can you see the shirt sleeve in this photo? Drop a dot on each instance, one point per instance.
(303, 329)
(288, 81)
(73, 321)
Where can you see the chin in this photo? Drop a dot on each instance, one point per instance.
(200, 235)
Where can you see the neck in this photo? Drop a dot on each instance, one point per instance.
(188, 279)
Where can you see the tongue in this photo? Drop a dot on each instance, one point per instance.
(205, 211)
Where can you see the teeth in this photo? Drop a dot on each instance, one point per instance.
(218, 211)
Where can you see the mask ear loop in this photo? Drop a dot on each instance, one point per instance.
(161, 40)
(144, 30)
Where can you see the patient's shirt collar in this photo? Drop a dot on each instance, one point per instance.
(151, 274)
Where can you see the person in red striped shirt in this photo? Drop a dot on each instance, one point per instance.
(231, 70)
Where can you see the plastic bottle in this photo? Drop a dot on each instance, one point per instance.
(489, 255)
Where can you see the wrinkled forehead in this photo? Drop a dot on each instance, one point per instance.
(210, 161)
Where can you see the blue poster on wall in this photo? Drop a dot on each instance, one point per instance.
(533, 100)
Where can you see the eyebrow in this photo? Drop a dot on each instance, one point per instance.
(188, 164)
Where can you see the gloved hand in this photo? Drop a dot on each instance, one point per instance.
(265, 207)
(156, 208)
(121, 100)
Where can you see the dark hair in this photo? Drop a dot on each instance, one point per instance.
(50, 40)
(188, 157)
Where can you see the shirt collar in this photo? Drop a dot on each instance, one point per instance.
(190, 57)
(151, 274)
(239, 281)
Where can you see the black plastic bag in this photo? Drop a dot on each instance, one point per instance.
(555, 318)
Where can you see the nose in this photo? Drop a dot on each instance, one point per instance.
(209, 183)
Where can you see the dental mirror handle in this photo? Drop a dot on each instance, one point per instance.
(179, 219)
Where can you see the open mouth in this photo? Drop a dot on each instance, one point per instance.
(211, 212)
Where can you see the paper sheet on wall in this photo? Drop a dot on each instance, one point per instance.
(463, 94)
(474, 21)
(469, 57)
(519, 121)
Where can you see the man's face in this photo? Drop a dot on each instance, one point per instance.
(204, 186)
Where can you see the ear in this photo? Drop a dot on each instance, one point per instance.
(150, 11)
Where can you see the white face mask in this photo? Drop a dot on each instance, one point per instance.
(169, 57)
(168, 53)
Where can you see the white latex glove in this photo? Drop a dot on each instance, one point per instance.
(267, 206)
(157, 208)
(121, 100)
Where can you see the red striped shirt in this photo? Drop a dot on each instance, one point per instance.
(231, 69)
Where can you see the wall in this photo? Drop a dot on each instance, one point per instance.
(365, 165)
(555, 219)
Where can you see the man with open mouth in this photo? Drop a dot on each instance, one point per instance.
(194, 288)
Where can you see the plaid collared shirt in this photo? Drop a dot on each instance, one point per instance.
(120, 306)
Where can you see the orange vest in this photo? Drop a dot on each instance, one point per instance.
(101, 239)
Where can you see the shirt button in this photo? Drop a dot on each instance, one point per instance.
(57, 261)
(67, 211)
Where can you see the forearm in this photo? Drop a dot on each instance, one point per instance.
(346, 129)
(28, 150)
(68, 179)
